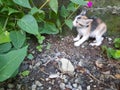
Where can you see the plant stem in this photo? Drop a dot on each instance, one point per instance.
(31, 1)
(69, 16)
(44, 4)
(5, 24)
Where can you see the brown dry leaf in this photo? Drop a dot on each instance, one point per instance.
(117, 76)
(99, 64)
(81, 69)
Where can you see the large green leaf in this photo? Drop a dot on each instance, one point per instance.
(69, 23)
(63, 12)
(71, 7)
(10, 62)
(79, 2)
(49, 28)
(28, 24)
(4, 37)
(5, 47)
(18, 38)
(24, 3)
(54, 5)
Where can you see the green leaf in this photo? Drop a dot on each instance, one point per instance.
(24, 3)
(30, 56)
(58, 23)
(18, 38)
(1, 2)
(49, 28)
(40, 39)
(63, 12)
(11, 11)
(39, 48)
(110, 52)
(79, 2)
(4, 37)
(39, 17)
(35, 10)
(117, 42)
(5, 47)
(10, 62)
(15, 73)
(48, 46)
(28, 24)
(117, 54)
(25, 73)
(71, 7)
(54, 5)
(69, 23)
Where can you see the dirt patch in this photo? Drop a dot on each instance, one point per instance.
(87, 76)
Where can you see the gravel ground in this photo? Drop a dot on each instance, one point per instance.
(93, 70)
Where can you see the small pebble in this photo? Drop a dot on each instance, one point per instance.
(82, 46)
(75, 85)
(62, 86)
(34, 87)
(88, 87)
(79, 87)
(38, 83)
(38, 64)
(49, 88)
(109, 39)
(30, 66)
(10, 86)
(53, 76)
(80, 63)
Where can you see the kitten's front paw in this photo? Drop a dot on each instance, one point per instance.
(75, 39)
(76, 44)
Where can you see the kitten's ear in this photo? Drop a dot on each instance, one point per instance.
(84, 11)
(89, 20)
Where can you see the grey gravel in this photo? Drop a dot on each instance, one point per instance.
(10, 86)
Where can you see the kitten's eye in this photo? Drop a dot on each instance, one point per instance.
(79, 18)
(80, 24)
(76, 21)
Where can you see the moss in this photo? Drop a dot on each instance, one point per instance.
(113, 24)
(102, 3)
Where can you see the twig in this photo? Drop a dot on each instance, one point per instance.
(99, 80)
(44, 4)
(5, 24)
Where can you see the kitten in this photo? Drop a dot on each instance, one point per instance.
(84, 27)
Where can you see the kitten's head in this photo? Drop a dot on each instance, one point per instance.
(81, 21)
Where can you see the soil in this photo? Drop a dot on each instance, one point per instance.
(87, 75)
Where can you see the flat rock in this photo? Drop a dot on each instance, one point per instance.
(66, 66)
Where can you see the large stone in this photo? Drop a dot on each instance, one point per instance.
(66, 66)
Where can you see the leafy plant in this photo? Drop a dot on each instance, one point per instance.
(113, 53)
(21, 17)
(25, 73)
(117, 43)
(10, 62)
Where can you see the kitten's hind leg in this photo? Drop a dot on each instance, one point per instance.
(98, 41)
